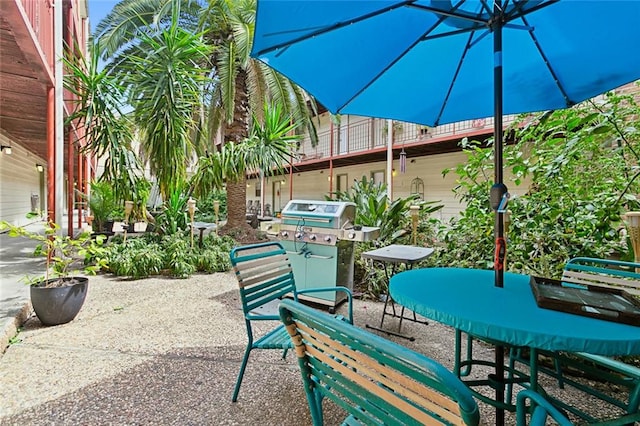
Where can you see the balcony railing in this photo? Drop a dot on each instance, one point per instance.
(40, 15)
(369, 134)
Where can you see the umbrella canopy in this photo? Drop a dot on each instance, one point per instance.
(437, 61)
(432, 62)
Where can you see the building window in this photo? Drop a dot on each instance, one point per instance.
(417, 187)
(258, 191)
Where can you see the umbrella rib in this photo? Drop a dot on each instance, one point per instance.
(453, 80)
(330, 28)
(443, 15)
(372, 80)
(556, 80)
(518, 12)
(451, 13)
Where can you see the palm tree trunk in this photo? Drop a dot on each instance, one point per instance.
(236, 204)
(237, 131)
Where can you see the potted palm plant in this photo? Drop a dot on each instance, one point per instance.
(58, 295)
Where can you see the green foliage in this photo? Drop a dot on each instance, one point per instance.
(136, 257)
(267, 149)
(98, 109)
(166, 82)
(373, 208)
(580, 165)
(102, 204)
(394, 221)
(214, 257)
(173, 217)
(139, 38)
(62, 253)
(152, 254)
(205, 211)
(272, 140)
(178, 256)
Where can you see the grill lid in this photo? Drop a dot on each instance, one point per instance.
(321, 214)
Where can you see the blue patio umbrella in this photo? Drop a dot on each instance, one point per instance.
(437, 61)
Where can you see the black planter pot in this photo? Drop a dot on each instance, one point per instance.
(59, 305)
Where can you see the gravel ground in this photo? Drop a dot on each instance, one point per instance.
(162, 351)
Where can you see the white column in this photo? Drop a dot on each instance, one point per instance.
(390, 160)
(59, 108)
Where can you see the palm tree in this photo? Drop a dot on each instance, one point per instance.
(131, 18)
(267, 151)
(166, 82)
(108, 133)
(242, 85)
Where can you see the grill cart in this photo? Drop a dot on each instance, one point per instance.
(319, 237)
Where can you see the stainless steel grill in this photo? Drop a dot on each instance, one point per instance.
(319, 237)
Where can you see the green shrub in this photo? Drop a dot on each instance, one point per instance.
(394, 221)
(136, 258)
(151, 254)
(581, 168)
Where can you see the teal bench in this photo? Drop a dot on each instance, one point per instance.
(378, 382)
(612, 274)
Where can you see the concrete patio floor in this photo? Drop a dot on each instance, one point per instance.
(167, 351)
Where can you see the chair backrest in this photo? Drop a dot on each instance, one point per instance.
(373, 379)
(603, 272)
(264, 275)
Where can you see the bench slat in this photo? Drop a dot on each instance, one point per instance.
(600, 279)
(374, 380)
(384, 382)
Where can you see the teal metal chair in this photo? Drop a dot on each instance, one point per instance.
(374, 380)
(265, 277)
(586, 271)
(539, 408)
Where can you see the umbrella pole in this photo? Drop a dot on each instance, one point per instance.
(498, 190)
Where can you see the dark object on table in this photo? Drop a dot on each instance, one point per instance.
(591, 301)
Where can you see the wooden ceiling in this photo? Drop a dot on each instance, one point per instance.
(23, 83)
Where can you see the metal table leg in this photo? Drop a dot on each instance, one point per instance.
(393, 313)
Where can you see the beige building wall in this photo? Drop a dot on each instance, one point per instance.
(315, 185)
(20, 180)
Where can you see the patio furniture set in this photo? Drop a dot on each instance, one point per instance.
(376, 381)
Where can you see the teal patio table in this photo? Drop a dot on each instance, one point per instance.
(468, 301)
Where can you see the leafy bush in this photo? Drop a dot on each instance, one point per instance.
(152, 254)
(173, 216)
(136, 257)
(102, 203)
(394, 221)
(373, 209)
(178, 255)
(581, 166)
(205, 211)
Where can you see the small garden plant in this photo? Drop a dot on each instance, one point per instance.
(65, 256)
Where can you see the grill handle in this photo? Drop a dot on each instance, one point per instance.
(309, 255)
(317, 256)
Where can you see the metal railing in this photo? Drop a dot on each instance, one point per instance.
(370, 134)
(40, 15)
